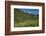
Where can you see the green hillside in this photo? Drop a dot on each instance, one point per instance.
(22, 19)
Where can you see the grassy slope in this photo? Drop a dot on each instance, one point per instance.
(22, 19)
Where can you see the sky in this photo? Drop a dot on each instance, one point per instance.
(33, 11)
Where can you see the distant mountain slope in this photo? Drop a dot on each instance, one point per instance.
(20, 15)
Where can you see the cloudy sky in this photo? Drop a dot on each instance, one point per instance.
(33, 11)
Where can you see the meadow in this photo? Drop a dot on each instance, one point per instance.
(22, 19)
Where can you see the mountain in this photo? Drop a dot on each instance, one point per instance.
(20, 15)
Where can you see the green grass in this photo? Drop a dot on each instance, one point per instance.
(27, 23)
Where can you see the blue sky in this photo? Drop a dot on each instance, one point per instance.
(33, 11)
